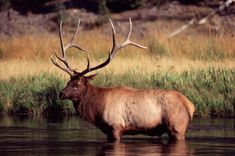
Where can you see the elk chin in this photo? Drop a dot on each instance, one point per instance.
(74, 99)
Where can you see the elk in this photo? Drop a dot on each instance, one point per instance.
(118, 111)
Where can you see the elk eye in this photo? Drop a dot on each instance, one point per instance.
(76, 86)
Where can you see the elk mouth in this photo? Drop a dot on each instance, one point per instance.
(75, 99)
(63, 96)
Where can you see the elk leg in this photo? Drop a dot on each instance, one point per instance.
(115, 136)
(176, 136)
(176, 132)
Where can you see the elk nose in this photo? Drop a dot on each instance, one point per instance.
(62, 95)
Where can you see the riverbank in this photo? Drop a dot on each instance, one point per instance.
(200, 66)
(211, 90)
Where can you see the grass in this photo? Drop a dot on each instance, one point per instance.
(200, 66)
(211, 90)
(99, 41)
(33, 95)
(18, 68)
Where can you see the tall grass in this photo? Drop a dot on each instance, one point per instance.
(200, 66)
(212, 90)
(99, 42)
(32, 95)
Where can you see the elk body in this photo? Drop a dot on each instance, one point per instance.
(118, 111)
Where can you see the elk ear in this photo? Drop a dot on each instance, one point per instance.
(91, 77)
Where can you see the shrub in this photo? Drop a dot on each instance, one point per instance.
(160, 2)
(190, 1)
(121, 5)
(103, 12)
(5, 4)
(61, 14)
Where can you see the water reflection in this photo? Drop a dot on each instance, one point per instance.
(72, 136)
(146, 148)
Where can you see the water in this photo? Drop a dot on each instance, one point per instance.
(72, 136)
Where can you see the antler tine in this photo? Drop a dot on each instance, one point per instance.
(61, 39)
(128, 38)
(62, 60)
(130, 29)
(87, 67)
(88, 62)
(127, 42)
(114, 37)
(75, 34)
(64, 69)
(64, 49)
(71, 44)
(115, 48)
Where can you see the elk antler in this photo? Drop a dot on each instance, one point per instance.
(115, 48)
(69, 70)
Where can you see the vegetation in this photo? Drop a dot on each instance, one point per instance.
(200, 66)
(60, 13)
(212, 90)
(190, 1)
(33, 95)
(196, 47)
(112, 5)
(5, 4)
(120, 5)
(103, 12)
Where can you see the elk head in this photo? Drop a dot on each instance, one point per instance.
(77, 85)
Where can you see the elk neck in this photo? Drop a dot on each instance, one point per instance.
(91, 103)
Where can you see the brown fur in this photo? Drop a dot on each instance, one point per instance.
(119, 111)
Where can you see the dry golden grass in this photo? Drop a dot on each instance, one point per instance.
(19, 68)
(31, 46)
(30, 54)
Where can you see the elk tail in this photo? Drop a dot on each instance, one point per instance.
(190, 106)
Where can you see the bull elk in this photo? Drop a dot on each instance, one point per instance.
(118, 111)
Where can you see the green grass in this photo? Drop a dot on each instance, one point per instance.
(211, 90)
(33, 95)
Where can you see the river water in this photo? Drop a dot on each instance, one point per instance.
(72, 136)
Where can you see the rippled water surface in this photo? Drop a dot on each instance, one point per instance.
(72, 136)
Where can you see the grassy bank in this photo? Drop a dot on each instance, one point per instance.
(211, 90)
(200, 66)
(33, 95)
